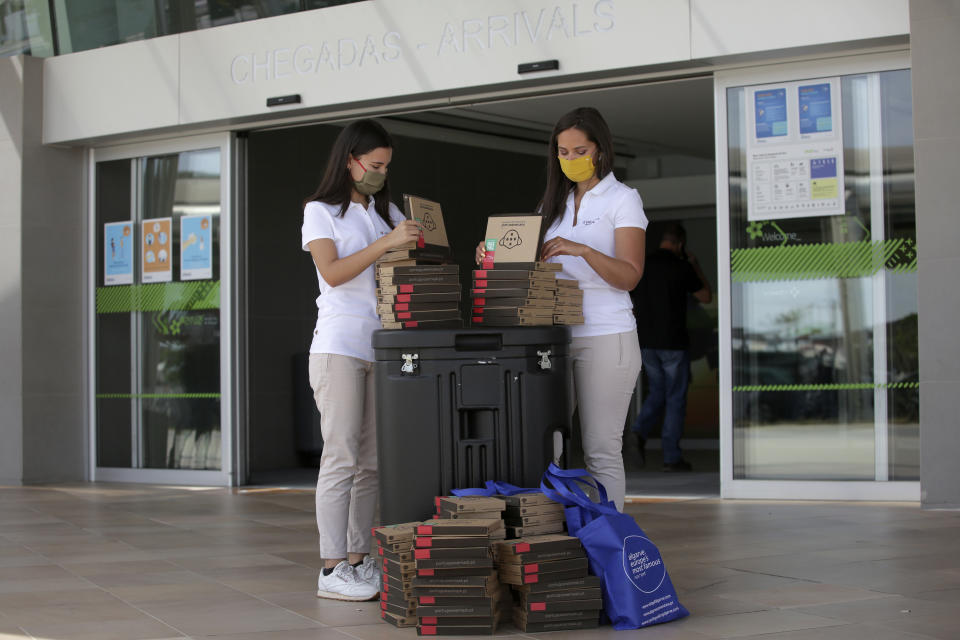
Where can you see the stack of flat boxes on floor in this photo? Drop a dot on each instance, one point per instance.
(398, 605)
(417, 286)
(512, 287)
(549, 575)
(456, 584)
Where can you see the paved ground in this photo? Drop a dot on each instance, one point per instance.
(106, 561)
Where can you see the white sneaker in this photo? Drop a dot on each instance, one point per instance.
(344, 584)
(369, 572)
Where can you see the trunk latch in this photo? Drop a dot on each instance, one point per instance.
(410, 365)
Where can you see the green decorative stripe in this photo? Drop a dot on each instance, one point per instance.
(827, 387)
(823, 260)
(157, 396)
(162, 296)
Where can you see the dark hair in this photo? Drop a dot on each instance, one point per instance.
(336, 186)
(674, 232)
(591, 123)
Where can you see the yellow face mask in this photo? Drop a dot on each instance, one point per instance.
(579, 169)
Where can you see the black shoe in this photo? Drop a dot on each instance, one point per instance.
(679, 465)
(642, 450)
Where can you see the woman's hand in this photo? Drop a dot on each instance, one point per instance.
(480, 253)
(562, 247)
(404, 232)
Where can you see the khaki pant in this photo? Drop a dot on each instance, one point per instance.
(605, 370)
(343, 388)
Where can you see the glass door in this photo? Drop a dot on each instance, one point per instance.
(160, 343)
(819, 383)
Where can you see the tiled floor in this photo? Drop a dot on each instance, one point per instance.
(124, 562)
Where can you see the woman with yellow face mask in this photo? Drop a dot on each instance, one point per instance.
(595, 227)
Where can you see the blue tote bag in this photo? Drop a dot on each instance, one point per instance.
(637, 591)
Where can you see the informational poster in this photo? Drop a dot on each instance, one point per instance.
(196, 248)
(795, 150)
(118, 253)
(156, 252)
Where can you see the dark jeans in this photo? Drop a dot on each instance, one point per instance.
(668, 371)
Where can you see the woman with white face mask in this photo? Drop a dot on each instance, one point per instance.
(595, 227)
(348, 223)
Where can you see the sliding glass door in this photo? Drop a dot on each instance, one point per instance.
(819, 296)
(160, 342)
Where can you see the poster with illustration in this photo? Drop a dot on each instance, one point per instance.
(156, 253)
(196, 248)
(795, 150)
(118, 253)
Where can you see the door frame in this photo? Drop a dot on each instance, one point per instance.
(780, 489)
(224, 142)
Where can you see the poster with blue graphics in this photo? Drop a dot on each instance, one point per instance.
(794, 159)
(196, 248)
(118, 253)
(770, 111)
(814, 108)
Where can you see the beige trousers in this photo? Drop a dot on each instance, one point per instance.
(605, 370)
(343, 388)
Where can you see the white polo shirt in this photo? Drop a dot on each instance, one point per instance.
(609, 205)
(346, 314)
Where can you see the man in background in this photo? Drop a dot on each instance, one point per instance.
(670, 275)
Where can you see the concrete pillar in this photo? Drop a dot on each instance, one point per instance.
(43, 425)
(935, 48)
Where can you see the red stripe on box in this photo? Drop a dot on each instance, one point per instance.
(411, 325)
(385, 587)
(531, 568)
(421, 243)
(421, 554)
(403, 297)
(480, 301)
(428, 620)
(383, 605)
(436, 501)
(405, 288)
(424, 542)
(531, 579)
(380, 550)
(428, 631)
(477, 320)
(480, 284)
(401, 307)
(538, 606)
(405, 315)
(424, 572)
(425, 530)
(480, 273)
(521, 547)
(427, 600)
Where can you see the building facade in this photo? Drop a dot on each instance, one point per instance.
(156, 306)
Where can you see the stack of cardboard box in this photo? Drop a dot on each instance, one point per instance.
(398, 605)
(417, 287)
(529, 514)
(512, 287)
(418, 295)
(456, 584)
(549, 576)
(569, 303)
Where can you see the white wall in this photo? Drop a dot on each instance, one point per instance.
(382, 52)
